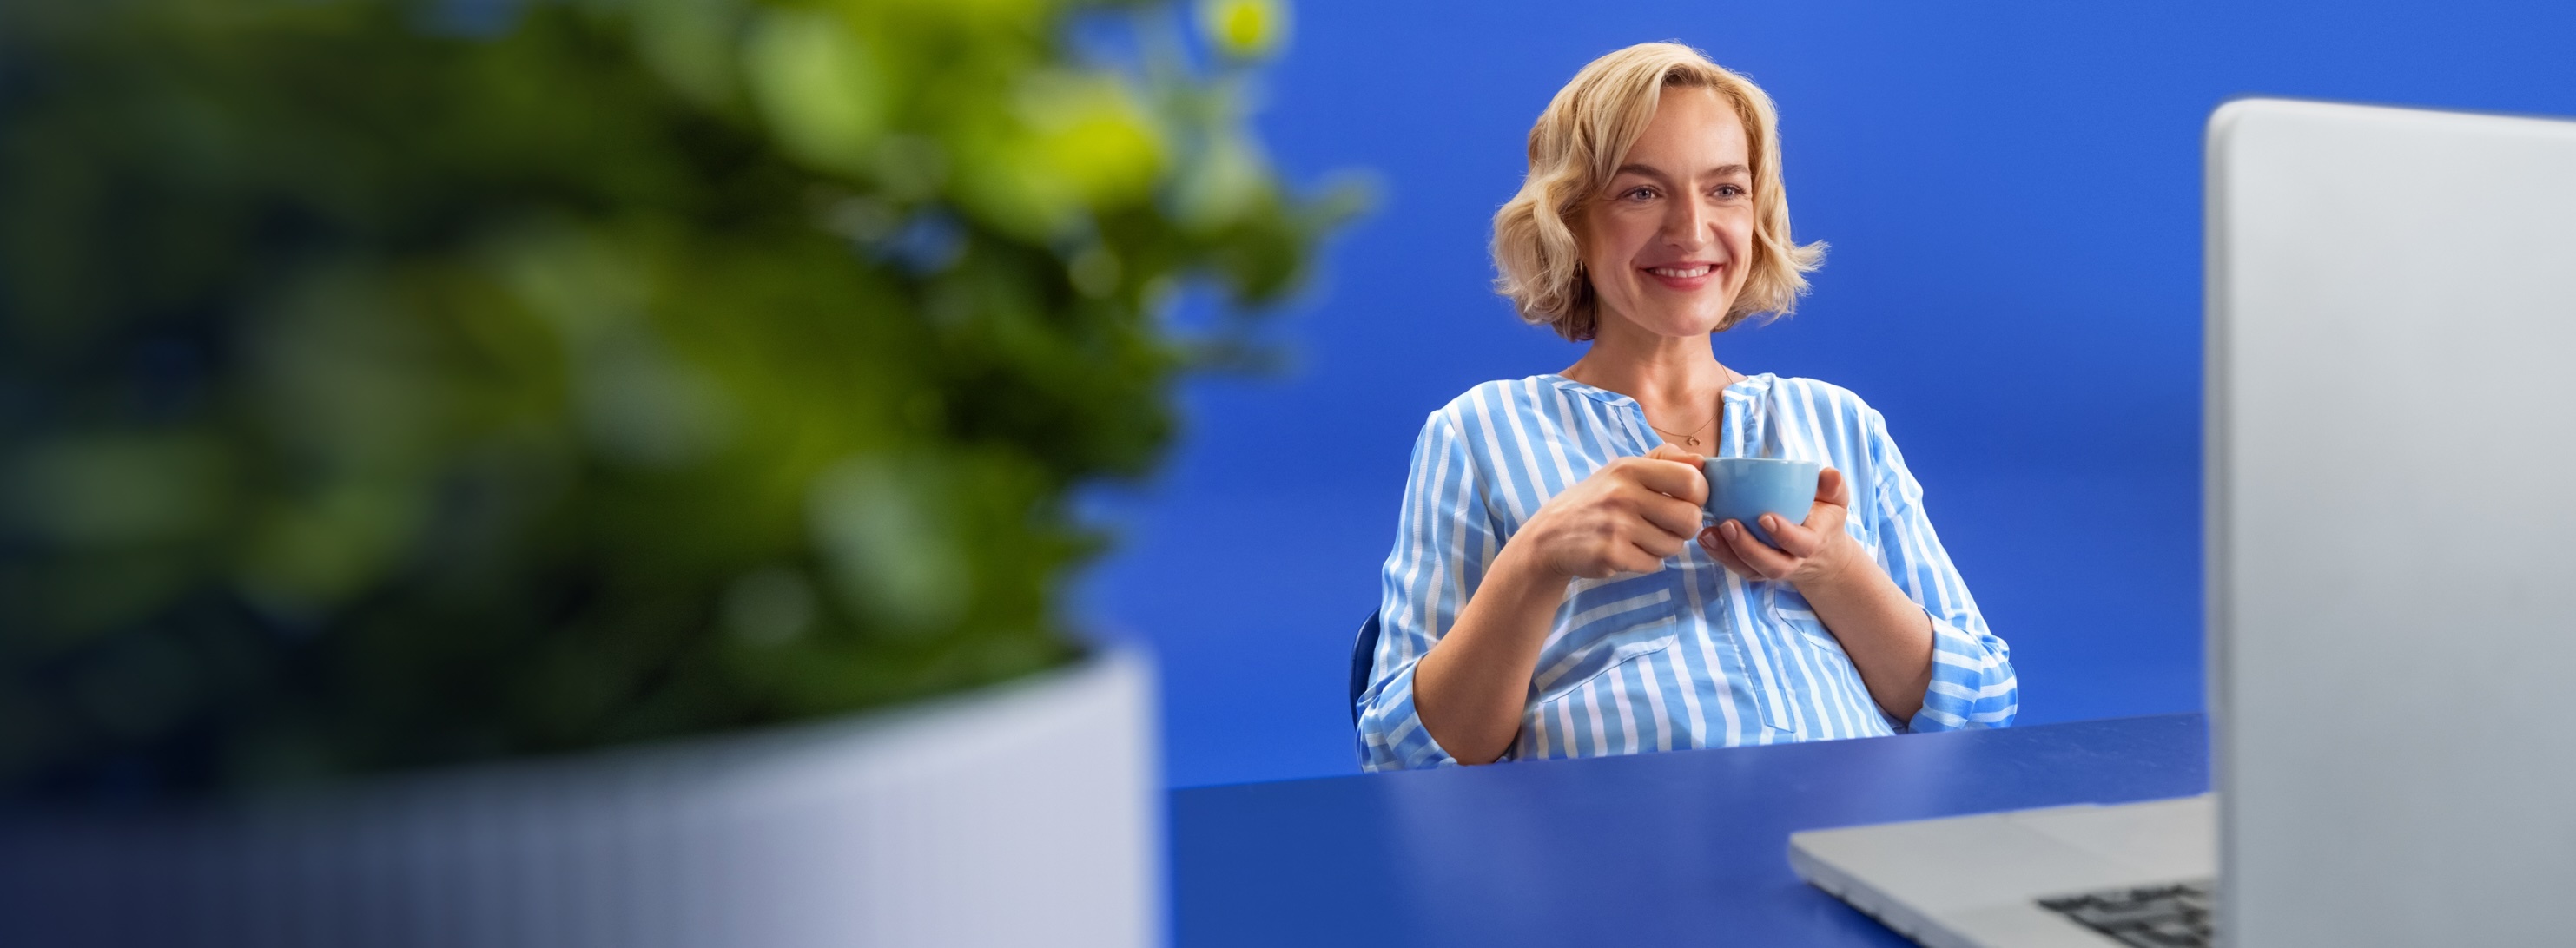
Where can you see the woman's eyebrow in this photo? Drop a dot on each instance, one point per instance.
(1658, 174)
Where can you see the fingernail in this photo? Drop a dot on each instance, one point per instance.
(1727, 528)
(1770, 522)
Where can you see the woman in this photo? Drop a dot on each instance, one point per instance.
(1546, 597)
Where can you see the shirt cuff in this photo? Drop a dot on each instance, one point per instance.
(1972, 684)
(1391, 736)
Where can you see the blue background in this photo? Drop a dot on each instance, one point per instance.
(2012, 195)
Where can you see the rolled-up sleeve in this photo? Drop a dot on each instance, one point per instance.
(1445, 539)
(1972, 674)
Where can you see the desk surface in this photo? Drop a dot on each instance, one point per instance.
(1678, 848)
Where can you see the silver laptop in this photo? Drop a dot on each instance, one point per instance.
(2391, 552)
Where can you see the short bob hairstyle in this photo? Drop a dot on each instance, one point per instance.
(1576, 146)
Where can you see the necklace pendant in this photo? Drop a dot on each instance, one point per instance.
(1690, 442)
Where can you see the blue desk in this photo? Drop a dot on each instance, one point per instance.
(1679, 848)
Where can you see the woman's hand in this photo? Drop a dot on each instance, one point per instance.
(1888, 636)
(1628, 517)
(1818, 550)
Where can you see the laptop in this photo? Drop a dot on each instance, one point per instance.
(2390, 496)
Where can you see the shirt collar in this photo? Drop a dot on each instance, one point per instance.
(1751, 386)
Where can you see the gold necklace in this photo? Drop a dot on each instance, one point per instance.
(1687, 440)
(1692, 440)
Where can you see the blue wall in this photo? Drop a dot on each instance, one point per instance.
(2012, 192)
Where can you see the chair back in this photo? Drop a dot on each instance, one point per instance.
(1363, 664)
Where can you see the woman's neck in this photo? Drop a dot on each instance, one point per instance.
(1676, 379)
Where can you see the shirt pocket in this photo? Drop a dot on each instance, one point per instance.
(1789, 610)
(1603, 636)
(1839, 679)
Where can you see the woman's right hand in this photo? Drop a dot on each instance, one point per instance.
(1471, 688)
(1626, 518)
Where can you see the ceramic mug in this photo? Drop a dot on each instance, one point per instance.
(1743, 489)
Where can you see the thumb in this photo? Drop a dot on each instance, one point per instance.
(1831, 489)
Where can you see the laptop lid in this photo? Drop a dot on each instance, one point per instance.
(2391, 523)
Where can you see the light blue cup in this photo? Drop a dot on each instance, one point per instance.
(1743, 489)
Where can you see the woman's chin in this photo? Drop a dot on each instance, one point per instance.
(1691, 318)
(1686, 325)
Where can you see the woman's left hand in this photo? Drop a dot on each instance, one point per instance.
(1818, 550)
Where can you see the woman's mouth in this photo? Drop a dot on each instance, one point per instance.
(1683, 276)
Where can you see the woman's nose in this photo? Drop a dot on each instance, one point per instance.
(1686, 227)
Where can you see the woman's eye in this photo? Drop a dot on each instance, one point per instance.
(1729, 191)
(1639, 194)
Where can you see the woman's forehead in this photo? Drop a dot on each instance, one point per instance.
(1693, 132)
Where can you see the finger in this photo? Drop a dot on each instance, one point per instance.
(1756, 554)
(1660, 547)
(1671, 478)
(1629, 559)
(1715, 543)
(1795, 539)
(1666, 452)
(1672, 515)
(1657, 539)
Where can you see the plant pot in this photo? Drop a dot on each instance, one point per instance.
(1022, 814)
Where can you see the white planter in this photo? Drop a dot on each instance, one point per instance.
(1024, 814)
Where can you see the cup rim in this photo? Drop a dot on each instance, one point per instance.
(1758, 460)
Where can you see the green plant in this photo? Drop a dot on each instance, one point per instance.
(386, 384)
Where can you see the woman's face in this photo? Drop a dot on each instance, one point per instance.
(1666, 244)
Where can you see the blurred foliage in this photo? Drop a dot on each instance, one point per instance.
(386, 384)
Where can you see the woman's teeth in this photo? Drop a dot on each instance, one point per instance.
(1680, 273)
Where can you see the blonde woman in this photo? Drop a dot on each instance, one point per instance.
(1553, 591)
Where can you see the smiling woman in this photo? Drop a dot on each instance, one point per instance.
(1617, 99)
(1545, 597)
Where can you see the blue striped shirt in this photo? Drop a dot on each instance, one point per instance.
(1688, 656)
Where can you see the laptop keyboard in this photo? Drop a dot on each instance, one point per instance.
(2159, 916)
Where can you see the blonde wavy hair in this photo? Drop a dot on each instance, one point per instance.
(1576, 146)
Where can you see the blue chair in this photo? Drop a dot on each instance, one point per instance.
(1363, 664)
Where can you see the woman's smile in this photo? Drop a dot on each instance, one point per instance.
(1686, 276)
